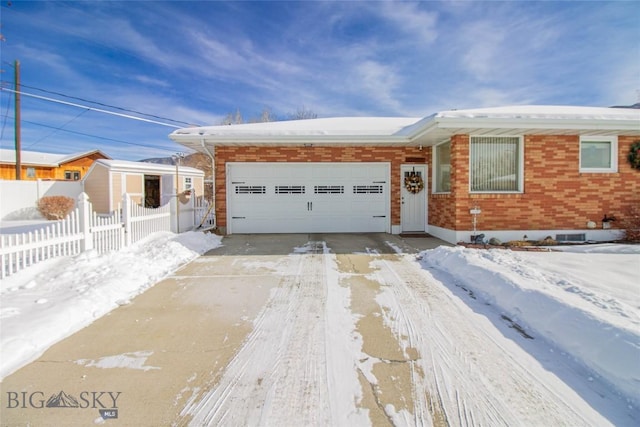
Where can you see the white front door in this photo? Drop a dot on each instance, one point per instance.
(413, 202)
(307, 197)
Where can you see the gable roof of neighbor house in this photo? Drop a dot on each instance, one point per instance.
(36, 158)
(528, 119)
(143, 167)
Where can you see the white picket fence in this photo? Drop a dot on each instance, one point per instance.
(19, 251)
(81, 231)
(203, 213)
(139, 221)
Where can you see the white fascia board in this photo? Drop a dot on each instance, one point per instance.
(515, 123)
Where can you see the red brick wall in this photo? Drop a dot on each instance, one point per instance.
(395, 155)
(443, 211)
(556, 195)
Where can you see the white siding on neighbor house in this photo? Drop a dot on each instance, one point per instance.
(167, 188)
(96, 185)
(134, 186)
(117, 189)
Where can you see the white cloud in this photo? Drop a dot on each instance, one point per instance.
(484, 50)
(377, 82)
(412, 20)
(151, 81)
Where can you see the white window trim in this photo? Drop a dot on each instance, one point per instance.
(614, 154)
(435, 167)
(521, 147)
(187, 183)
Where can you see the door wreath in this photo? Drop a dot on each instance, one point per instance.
(634, 155)
(413, 183)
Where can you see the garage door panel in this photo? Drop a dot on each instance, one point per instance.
(308, 197)
(270, 225)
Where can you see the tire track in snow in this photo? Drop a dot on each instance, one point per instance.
(279, 375)
(474, 374)
(298, 367)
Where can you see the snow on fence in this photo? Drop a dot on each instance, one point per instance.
(19, 251)
(81, 231)
(108, 232)
(140, 221)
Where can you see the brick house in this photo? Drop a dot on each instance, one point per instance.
(513, 171)
(37, 165)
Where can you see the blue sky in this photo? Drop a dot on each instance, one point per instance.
(182, 62)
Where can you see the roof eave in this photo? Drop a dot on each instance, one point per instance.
(546, 124)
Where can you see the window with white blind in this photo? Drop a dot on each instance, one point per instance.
(495, 164)
(598, 154)
(442, 168)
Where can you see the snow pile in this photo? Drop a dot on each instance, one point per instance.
(587, 304)
(51, 300)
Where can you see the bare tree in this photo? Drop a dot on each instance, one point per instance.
(233, 119)
(267, 115)
(303, 113)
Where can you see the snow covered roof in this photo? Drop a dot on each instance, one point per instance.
(36, 158)
(328, 130)
(336, 126)
(157, 168)
(528, 119)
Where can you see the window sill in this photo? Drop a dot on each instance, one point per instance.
(598, 171)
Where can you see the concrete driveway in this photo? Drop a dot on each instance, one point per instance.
(157, 360)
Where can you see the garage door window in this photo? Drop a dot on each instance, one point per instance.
(290, 189)
(367, 189)
(328, 189)
(251, 189)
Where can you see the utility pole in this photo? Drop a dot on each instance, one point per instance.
(17, 121)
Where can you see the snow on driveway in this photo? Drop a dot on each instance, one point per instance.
(454, 336)
(310, 360)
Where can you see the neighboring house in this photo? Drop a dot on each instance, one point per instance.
(148, 184)
(37, 165)
(526, 170)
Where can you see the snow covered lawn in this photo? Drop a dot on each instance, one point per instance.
(584, 300)
(53, 299)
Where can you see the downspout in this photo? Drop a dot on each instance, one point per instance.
(213, 176)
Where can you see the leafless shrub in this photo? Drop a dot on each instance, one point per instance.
(55, 207)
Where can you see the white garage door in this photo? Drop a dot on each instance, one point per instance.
(307, 197)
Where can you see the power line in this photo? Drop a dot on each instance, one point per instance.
(99, 137)
(90, 108)
(6, 114)
(57, 129)
(107, 105)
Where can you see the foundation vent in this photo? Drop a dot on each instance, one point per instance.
(575, 237)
